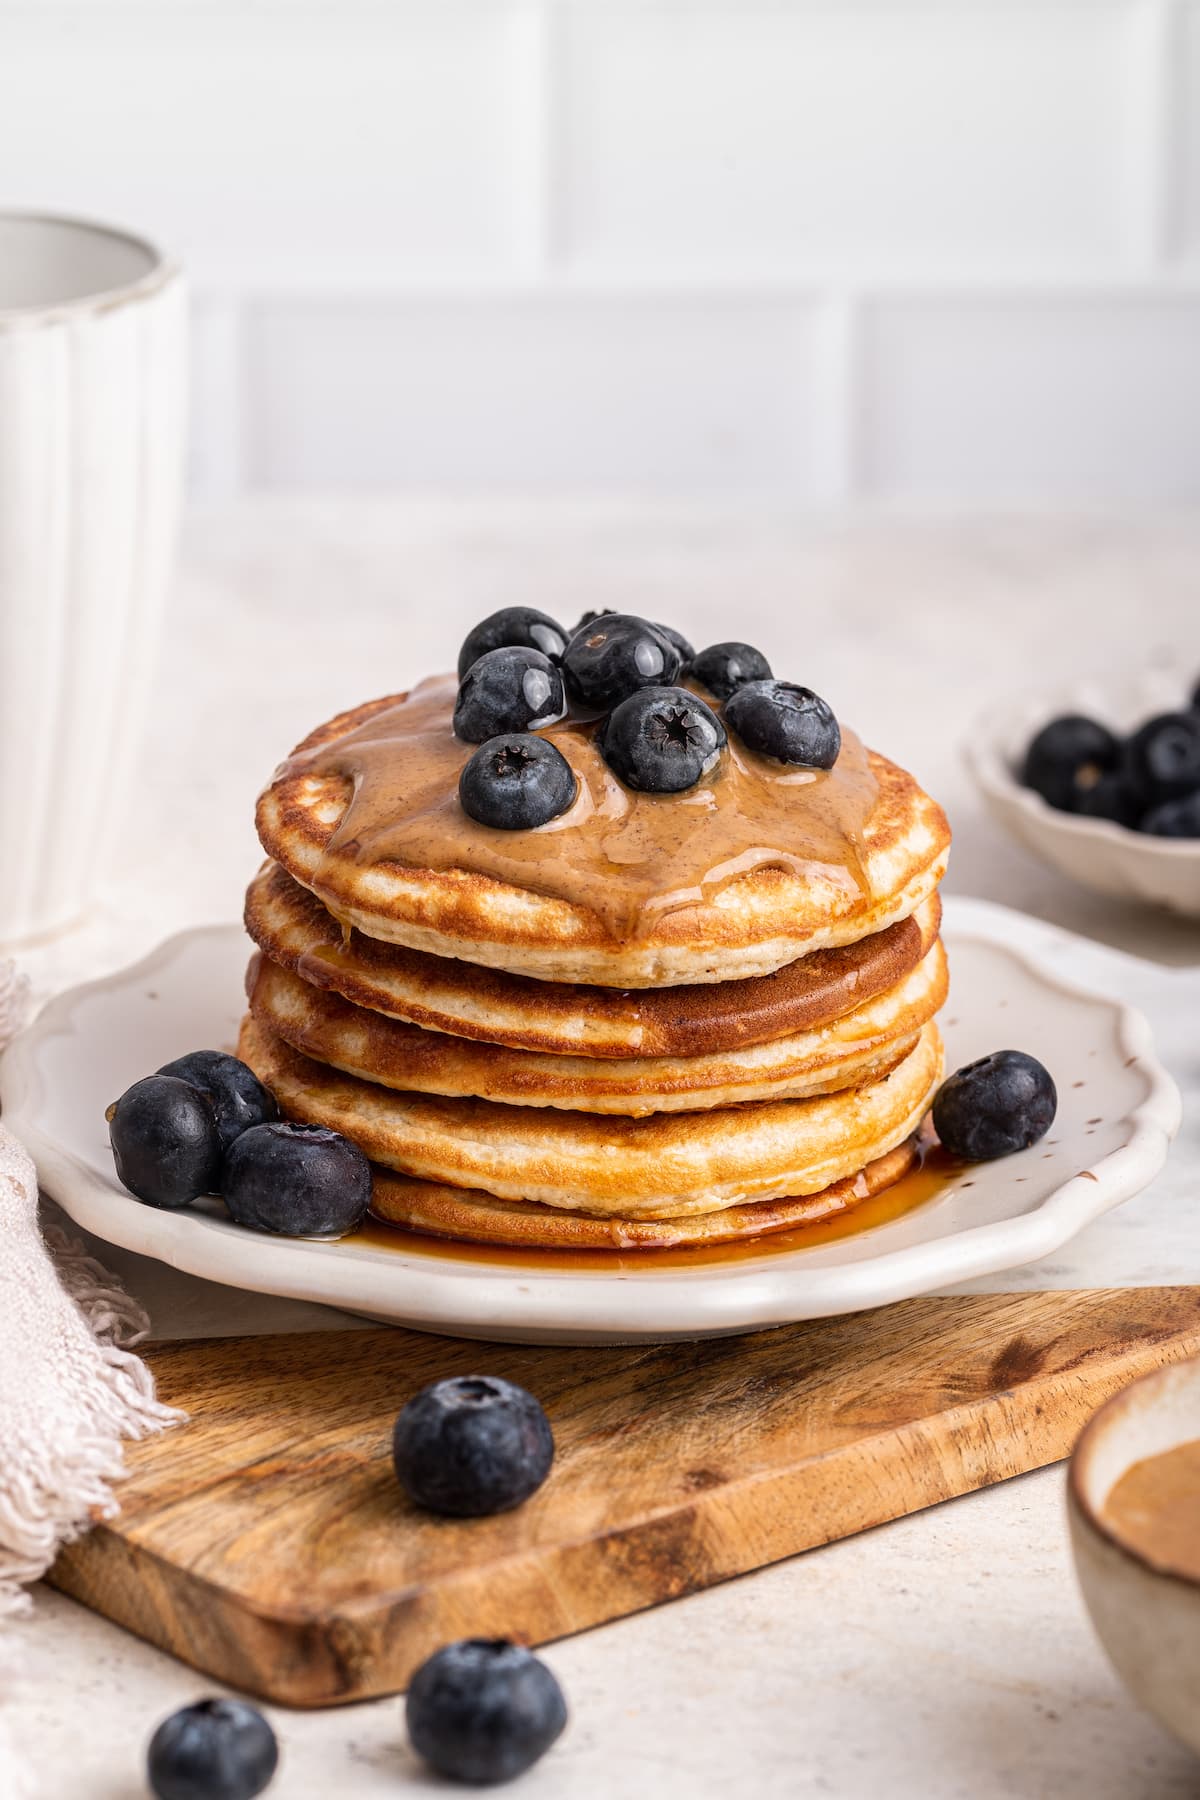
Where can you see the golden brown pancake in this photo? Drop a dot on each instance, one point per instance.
(862, 1047)
(664, 1166)
(758, 865)
(296, 931)
(470, 1216)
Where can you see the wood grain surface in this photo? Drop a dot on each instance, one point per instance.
(267, 1543)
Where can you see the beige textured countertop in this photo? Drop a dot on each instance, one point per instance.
(946, 1655)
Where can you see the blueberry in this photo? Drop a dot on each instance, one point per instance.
(617, 655)
(508, 690)
(512, 625)
(239, 1098)
(483, 1710)
(165, 1141)
(1111, 796)
(214, 1750)
(1162, 758)
(662, 740)
(669, 632)
(1067, 757)
(471, 1445)
(298, 1180)
(1175, 818)
(589, 618)
(790, 723)
(723, 667)
(516, 782)
(1002, 1103)
(680, 642)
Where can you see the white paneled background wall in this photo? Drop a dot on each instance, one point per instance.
(883, 250)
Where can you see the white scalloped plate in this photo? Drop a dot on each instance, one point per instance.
(1129, 865)
(1118, 1111)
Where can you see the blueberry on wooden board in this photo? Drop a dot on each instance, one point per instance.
(472, 1445)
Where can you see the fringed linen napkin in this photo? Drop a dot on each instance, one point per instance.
(71, 1387)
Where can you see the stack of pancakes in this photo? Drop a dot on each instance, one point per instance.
(596, 1037)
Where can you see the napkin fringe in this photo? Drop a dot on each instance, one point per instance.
(45, 1507)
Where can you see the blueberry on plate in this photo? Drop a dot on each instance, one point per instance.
(1162, 757)
(239, 1098)
(790, 723)
(471, 1445)
(296, 1180)
(722, 668)
(516, 783)
(512, 625)
(483, 1710)
(1003, 1103)
(1067, 757)
(617, 655)
(214, 1750)
(1111, 796)
(662, 740)
(508, 690)
(1175, 818)
(165, 1141)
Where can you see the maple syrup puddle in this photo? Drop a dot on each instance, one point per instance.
(930, 1177)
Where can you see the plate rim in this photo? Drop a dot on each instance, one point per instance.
(470, 1299)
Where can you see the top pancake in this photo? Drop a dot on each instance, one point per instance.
(368, 818)
(293, 928)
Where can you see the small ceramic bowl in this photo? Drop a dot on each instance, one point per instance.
(1146, 1613)
(1127, 864)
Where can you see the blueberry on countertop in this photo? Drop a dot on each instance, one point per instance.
(617, 655)
(1003, 1103)
(1067, 757)
(662, 740)
(239, 1098)
(722, 668)
(790, 723)
(1162, 758)
(214, 1750)
(165, 1141)
(1175, 818)
(471, 1445)
(513, 689)
(516, 782)
(483, 1710)
(512, 625)
(296, 1180)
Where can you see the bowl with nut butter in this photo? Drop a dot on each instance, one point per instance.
(1134, 1506)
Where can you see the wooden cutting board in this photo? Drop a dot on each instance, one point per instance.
(267, 1543)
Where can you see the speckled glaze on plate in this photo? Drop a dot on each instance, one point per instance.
(1118, 1111)
(1129, 865)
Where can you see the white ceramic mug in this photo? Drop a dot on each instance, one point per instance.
(92, 397)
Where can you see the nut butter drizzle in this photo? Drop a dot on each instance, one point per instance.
(629, 858)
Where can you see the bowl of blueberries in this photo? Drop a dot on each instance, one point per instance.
(1103, 784)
